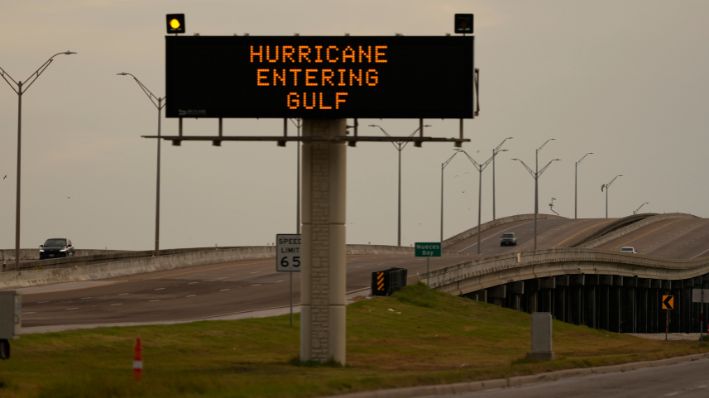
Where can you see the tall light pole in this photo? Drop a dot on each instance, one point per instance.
(605, 187)
(159, 103)
(399, 146)
(640, 207)
(20, 87)
(298, 123)
(479, 167)
(495, 151)
(536, 174)
(443, 166)
(576, 179)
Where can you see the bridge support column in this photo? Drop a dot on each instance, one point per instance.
(322, 319)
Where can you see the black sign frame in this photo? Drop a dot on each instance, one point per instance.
(384, 76)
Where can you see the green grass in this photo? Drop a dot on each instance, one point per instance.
(416, 337)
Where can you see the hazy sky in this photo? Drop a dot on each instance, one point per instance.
(625, 79)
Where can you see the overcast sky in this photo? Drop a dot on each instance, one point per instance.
(624, 79)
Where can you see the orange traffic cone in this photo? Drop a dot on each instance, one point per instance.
(137, 359)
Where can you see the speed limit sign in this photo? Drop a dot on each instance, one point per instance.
(288, 252)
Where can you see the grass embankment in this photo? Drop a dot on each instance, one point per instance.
(416, 337)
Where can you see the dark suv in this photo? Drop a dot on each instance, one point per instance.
(508, 239)
(56, 247)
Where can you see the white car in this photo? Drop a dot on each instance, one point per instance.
(628, 249)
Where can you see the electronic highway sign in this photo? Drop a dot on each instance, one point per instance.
(319, 76)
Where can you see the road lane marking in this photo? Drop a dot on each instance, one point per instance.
(87, 298)
(42, 302)
(672, 394)
(190, 295)
(224, 290)
(154, 300)
(123, 294)
(193, 283)
(256, 284)
(116, 304)
(72, 309)
(158, 289)
(700, 254)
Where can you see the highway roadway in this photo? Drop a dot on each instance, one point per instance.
(672, 236)
(192, 293)
(230, 288)
(685, 380)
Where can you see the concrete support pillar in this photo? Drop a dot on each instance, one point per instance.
(323, 320)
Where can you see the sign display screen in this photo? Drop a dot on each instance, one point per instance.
(319, 76)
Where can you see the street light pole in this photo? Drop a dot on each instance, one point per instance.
(443, 166)
(159, 103)
(605, 187)
(495, 151)
(576, 178)
(20, 87)
(479, 167)
(536, 174)
(399, 146)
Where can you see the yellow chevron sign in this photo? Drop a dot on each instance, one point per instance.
(668, 302)
(380, 281)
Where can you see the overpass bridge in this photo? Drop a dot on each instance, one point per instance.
(588, 281)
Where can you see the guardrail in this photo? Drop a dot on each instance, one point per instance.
(494, 271)
(102, 266)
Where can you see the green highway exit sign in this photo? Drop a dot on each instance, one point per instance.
(428, 249)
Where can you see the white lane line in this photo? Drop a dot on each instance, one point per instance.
(43, 302)
(701, 386)
(116, 304)
(87, 298)
(700, 254)
(224, 290)
(123, 294)
(190, 295)
(221, 278)
(256, 284)
(158, 289)
(193, 283)
(154, 300)
(72, 309)
(672, 394)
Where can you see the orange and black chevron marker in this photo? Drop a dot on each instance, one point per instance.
(380, 281)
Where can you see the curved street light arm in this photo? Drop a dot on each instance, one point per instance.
(531, 172)
(10, 81)
(547, 165)
(444, 164)
(35, 75)
(583, 157)
(157, 101)
(404, 144)
(545, 142)
(614, 178)
(497, 148)
(475, 164)
(297, 123)
(397, 145)
(486, 163)
(640, 207)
